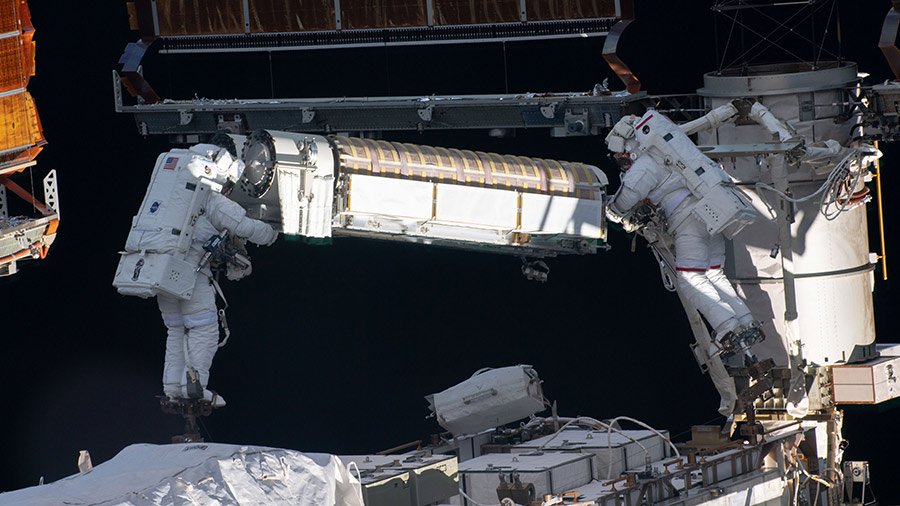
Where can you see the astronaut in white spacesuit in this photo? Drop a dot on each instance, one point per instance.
(699, 255)
(184, 209)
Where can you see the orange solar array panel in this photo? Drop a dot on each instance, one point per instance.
(21, 134)
(200, 17)
(175, 18)
(268, 16)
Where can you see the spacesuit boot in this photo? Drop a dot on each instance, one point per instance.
(215, 399)
(193, 389)
(206, 394)
(739, 340)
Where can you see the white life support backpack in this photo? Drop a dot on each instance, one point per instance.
(722, 207)
(155, 256)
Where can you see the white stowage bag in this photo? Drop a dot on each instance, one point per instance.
(202, 474)
(490, 398)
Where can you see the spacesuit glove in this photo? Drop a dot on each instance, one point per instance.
(274, 237)
(613, 215)
(629, 226)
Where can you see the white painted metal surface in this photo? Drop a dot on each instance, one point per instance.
(421, 194)
(869, 382)
(830, 257)
(490, 398)
(549, 472)
(623, 453)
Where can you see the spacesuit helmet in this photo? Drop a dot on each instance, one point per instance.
(621, 138)
(229, 168)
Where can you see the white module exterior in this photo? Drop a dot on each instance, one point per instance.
(490, 398)
(549, 472)
(447, 212)
(831, 258)
(312, 197)
(617, 448)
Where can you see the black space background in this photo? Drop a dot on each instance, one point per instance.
(334, 347)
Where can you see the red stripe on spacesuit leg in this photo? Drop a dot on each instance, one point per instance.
(690, 269)
(714, 267)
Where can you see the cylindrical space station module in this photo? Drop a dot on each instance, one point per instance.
(317, 187)
(828, 250)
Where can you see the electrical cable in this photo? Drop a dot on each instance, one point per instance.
(610, 429)
(473, 501)
(832, 190)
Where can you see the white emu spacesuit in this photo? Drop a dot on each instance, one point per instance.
(164, 256)
(667, 170)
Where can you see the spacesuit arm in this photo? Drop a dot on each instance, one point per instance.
(225, 214)
(637, 183)
(711, 120)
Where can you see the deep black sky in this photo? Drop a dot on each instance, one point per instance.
(334, 347)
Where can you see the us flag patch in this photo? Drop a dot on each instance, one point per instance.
(171, 163)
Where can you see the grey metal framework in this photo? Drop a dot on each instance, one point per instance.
(564, 113)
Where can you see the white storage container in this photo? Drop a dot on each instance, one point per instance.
(490, 398)
(550, 473)
(618, 448)
(869, 382)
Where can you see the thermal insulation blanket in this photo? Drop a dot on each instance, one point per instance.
(201, 473)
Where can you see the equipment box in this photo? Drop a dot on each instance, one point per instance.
(550, 472)
(869, 382)
(401, 480)
(621, 448)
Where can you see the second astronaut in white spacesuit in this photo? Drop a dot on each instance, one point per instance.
(167, 251)
(699, 256)
(193, 324)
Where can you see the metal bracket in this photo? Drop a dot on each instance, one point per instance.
(231, 123)
(117, 90)
(338, 24)
(246, 16)
(425, 113)
(4, 208)
(51, 192)
(185, 117)
(308, 114)
(549, 111)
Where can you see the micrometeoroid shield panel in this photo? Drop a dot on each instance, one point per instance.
(316, 187)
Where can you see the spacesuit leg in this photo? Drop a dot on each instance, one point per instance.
(173, 367)
(716, 276)
(692, 248)
(202, 323)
